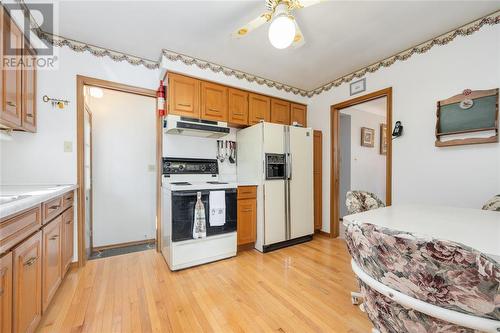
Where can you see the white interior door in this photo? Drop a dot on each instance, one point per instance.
(274, 211)
(301, 182)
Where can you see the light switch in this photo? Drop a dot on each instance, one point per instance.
(68, 146)
(151, 167)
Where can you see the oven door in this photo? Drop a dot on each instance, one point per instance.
(183, 203)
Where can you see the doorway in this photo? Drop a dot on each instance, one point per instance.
(361, 151)
(119, 158)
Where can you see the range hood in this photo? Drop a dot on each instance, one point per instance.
(195, 127)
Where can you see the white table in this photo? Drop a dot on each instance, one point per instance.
(479, 229)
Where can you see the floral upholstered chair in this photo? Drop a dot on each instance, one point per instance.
(438, 272)
(362, 201)
(493, 204)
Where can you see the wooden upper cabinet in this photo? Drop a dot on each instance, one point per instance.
(238, 107)
(6, 293)
(10, 114)
(213, 101)
(67, 239)
(280, 111)
(298, 113)
(259, 108)
(27, 284)
(29, 90)
(52, 260)
(184, 96)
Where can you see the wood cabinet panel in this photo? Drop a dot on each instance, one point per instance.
(29, 90)
(238, 107)
(14, 230)
(247, 192)
(259, 109)
(183, 96)
(6, 293)
(52, 208)
(318, 179)
(280, 111)
(298, 114)
(67, 239)
(247, 221)
(27, 284)
(213, 101)
(68, 199)
(11, 114)
(52, 260)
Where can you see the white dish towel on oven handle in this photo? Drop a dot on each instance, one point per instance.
(217, 204)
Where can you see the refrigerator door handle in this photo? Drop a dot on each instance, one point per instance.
(288, 166)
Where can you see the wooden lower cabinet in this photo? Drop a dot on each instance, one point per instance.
(247, 215)
(6, 293)
(27, 284)
(52, 259)
(67, 239)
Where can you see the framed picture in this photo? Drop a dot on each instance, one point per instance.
(357, 87)
(367, 137)
(383, 139)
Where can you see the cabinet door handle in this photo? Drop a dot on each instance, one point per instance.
(31, 261)
(247, 210)
(2, 272)
(54, 207)
(186, 105)
(9, 103)
(54, 237)
(69, 221)
(29, 115)
(238, 114)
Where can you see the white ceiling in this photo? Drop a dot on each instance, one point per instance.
(341, 36)
(377, 106)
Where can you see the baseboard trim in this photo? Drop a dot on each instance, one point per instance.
(118, 245)
(246, 247)
(322, 233)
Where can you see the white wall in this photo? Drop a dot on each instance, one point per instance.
(463, 176)
(367, 164)
(123, 168)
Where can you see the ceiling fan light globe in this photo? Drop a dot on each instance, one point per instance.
(282, 32)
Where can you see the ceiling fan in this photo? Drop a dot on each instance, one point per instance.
(284, 30)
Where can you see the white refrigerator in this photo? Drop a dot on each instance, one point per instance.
(279, 160)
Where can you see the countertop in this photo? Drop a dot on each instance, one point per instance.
(29, 196)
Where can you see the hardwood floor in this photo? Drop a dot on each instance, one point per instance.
(304, 288)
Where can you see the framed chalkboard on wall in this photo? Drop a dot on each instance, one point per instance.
(472, 116)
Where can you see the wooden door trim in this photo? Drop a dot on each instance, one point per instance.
(82, 81)
(335, 152)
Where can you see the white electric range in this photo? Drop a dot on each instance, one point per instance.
(183, 179)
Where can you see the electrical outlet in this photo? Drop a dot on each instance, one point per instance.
(68, 146)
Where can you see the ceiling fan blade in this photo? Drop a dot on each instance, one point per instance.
(252, 25)
(308, 3)
(298, 40)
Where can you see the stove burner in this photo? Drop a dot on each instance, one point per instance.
(216, 182)
(180, 183)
